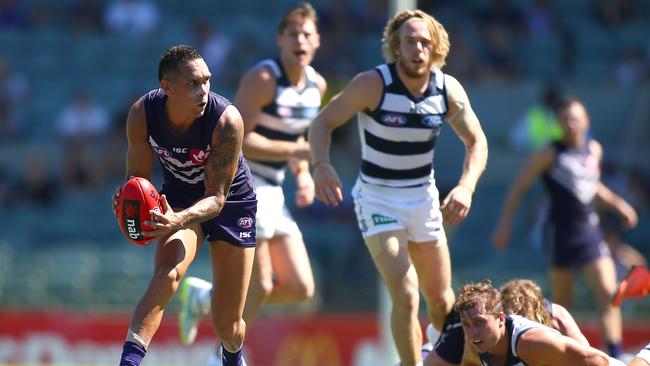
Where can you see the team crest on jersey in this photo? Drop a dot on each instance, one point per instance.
(393, 119)
(245, 222)
(198, 156)
(433, 121)
(161, 151)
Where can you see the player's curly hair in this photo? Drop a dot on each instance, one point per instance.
(524, 297)
(439, 37)
(480, 294)
(302, 11)
(170, 59)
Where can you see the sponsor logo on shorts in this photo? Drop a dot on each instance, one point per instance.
(378, 219)
(245, 234)
(393, 119)
(245, 222)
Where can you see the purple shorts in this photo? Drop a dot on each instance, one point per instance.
(234, 225)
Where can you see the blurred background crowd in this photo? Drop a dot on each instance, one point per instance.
(70, 70)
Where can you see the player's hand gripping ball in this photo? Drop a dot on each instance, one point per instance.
(135, 199)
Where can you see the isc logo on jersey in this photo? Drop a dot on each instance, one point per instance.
(393, 119)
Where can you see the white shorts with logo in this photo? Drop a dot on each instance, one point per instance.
(416, 210)
(273, 218)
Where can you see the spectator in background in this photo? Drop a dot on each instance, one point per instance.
(13, 84)
(540, 19)
(498, 22)
(132, 17)
(10, 123)
(215, 47)
(82, 125)
(612, 13)
(13, 95)
(538, 125)
(631, 69)
(13, 14)
(37, 186)
(86, 16)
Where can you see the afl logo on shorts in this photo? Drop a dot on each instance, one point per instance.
(245, 222)
(393, 119)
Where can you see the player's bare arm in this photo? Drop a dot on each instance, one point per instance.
(465, 123)
(611, 200)
(220, 169)
(541, 347)
(363, 92)
(564, 322)
(534, 168)
(139, 157)
(305, 193)
(257, 89)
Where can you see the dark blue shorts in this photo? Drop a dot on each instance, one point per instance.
(451, 343)
(234, 225)
(574, 248)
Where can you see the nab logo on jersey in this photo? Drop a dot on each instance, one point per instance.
(198, 156)
(393, 119)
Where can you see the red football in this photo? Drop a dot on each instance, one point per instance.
(137, 197)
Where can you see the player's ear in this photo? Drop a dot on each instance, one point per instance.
(165, 85)
(502, 318)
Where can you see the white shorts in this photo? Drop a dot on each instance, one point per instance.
(416, 210)
(273, 217)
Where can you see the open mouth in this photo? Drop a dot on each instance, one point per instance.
(201, 105)
(300, 53)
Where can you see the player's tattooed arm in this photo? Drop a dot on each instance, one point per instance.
(220, 168)
(222, 163)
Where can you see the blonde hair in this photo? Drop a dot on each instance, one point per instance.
(439, 37)
(524, 297)
(480, 294)
(303, 11)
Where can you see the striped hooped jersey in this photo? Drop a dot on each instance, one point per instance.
(515, 326)
(398, 138)
(286, 118)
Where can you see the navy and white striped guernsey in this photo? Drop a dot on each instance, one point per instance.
(182, 155)
(515, 326)
(398, 138)
(286, 118)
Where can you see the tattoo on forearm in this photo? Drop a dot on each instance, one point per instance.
(222, 163)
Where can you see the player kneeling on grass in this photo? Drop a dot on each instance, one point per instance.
(511, 340)
(519, 297)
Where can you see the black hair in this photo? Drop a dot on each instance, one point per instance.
(172, 57)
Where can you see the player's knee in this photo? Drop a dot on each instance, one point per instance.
(231, 332)
(264, 287)
(302, 290)
(170, 276)
(442, 302)
(406, 299)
